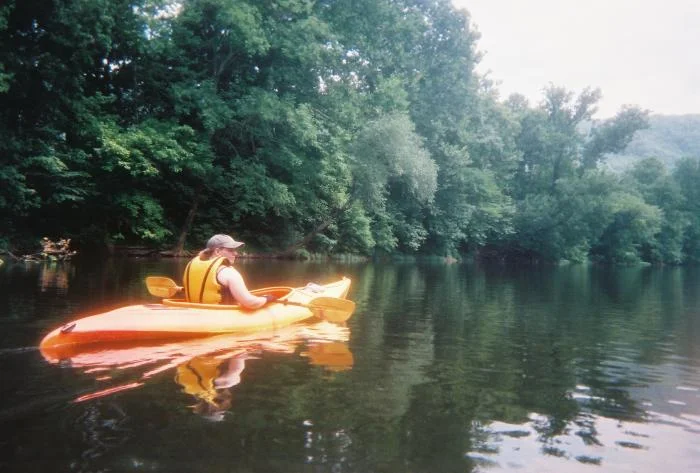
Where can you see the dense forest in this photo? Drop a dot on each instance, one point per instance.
(302, 126)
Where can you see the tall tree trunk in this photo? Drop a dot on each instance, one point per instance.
(179, 249)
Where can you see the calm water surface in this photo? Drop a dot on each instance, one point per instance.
(443, 368)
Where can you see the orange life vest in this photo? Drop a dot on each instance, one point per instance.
(200, 281)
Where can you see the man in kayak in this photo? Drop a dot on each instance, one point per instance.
(210, 277)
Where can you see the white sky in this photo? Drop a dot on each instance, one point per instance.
(641, 52)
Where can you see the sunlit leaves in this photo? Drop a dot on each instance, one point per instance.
(141, 215)
(146, 149)
(389, 149)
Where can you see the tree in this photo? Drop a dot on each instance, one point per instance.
(60, 61)
(558, 186)
(657, 187)
(687, 175)
(390, 164)
(634, 225)
(613, 136)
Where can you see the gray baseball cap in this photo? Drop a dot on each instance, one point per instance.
(223, 241)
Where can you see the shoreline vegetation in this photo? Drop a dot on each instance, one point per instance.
(313, 128)
(61, 252)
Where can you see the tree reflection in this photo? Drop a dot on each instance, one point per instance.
(457, 350)
(55, 275)
(455, 368)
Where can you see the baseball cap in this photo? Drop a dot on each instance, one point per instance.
(223, 241)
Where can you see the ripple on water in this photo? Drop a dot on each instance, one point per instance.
(665, 443)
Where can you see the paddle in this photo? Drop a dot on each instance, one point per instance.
(162, 287)
(332, 309)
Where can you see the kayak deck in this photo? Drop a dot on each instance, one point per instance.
(178, 319)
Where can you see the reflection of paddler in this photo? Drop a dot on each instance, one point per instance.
(208, 379)
(335, 356)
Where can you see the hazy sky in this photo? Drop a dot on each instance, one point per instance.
(642, 52)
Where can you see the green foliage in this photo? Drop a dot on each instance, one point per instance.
(565, 224)
(593, 214)
(4, 77)
(354, 232)
(687, 175)
(565, 205)
(657, 187)
(386, 151)
(147, 149)
(471, 210)
(332, 127)
(394, 177)
(138, 215)
(634, 224)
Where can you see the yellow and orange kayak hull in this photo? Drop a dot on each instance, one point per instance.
(177, 319)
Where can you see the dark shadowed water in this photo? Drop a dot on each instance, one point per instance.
(443, 368)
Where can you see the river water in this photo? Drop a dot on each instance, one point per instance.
(442, 368)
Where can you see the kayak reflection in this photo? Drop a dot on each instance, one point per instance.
(207, 369)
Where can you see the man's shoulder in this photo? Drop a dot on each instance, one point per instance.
(226, 271)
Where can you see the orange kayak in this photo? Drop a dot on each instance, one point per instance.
(133, 363)
(178, 319)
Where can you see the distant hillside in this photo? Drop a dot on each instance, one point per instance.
(669, 138)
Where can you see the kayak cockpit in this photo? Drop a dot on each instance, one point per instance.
(278, 292)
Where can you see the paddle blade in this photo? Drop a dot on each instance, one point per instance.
(161, 287)
(332, 309)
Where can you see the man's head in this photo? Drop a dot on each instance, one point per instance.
(221, 245)
(223, 241)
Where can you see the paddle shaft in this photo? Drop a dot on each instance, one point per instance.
(298, 304)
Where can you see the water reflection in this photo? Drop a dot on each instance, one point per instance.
(210, 379)
(206, 369)
(55, 275)
(454, 368)
(572, 365)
